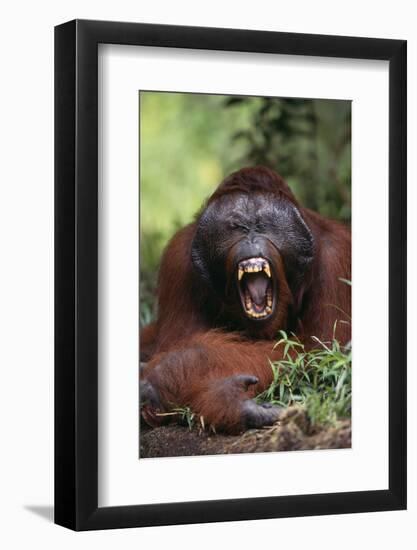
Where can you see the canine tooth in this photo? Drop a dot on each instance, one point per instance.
(268, 309)
(240, 273)
(267, 270)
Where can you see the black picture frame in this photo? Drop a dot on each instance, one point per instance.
(76, 272)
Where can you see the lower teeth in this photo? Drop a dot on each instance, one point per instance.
(252, 313)
(255, 314)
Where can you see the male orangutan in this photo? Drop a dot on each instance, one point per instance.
(252, 263)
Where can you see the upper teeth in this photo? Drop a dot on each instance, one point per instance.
(253, 266)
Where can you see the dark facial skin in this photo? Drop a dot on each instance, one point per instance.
(240, 243)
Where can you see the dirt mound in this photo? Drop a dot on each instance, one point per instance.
(293, 432)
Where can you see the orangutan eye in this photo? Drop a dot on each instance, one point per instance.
(236, 226)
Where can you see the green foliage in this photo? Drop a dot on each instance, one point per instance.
(320, 379)
(185, 416)
(308, 142)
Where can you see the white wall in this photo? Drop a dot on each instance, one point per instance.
(26, 287)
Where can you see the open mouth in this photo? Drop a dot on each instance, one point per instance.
(255, 287)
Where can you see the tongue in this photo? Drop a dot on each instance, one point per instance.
(257, 284)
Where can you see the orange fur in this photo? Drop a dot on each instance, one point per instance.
(192, 351)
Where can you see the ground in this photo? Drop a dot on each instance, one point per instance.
(293, 432)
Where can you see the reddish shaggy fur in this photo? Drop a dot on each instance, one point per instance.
(189, 354)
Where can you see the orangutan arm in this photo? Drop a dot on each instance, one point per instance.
(216, 375)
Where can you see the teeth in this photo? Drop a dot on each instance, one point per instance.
(259, 315)
(251, 268)
(255, 314)
(254, 265)
(267, 270)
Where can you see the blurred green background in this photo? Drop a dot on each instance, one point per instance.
(190, 142)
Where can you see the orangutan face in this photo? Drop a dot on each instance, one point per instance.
(250, 248)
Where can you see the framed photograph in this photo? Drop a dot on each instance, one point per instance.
(230, 253)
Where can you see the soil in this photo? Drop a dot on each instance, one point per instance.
(293, 432)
